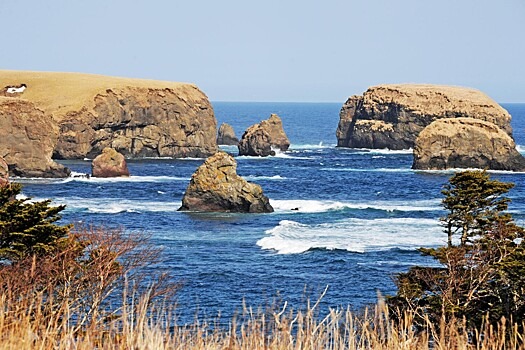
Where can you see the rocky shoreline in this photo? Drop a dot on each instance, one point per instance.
(73, 116)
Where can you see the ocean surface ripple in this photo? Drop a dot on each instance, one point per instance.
(347, 219)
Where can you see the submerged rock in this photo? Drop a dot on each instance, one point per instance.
(216, 187)
(109, 163)
(259, 139)
(466, 143)
(27, 139)
(226, 135)
(392, 116)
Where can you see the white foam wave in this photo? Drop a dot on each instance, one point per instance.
(278, 154)
(457, 170)
(320, 145)
(256, 177)
(521, 149)
(355, 235)
(383, 151)
(287, 155)
(377, 170)
(317, 206)
(133, 178)
(114, 205)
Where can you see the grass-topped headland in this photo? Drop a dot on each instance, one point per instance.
(59, 93)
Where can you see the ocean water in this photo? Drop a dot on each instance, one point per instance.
(361, 216)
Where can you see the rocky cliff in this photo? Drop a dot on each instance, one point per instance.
(216, 187)
(27, 139)
(392, 116)
(138, 118)
(466, 143)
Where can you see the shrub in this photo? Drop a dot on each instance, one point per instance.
(482, 275)
(27, 228)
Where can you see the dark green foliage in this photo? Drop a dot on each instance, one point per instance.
(483, 272)
(472, 200)
(27, 228)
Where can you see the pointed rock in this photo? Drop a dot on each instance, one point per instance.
(226, 135)
(109, 163)
(259, 139)
(216, 187)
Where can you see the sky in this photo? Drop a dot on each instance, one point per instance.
(275, 50)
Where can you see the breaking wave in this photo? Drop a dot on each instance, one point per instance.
(354, 235)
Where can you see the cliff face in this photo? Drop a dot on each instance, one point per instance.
(466, 143)
(82, 114)
(27, 139)
(141, 122)
(392, 116)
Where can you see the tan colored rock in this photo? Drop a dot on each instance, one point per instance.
(259, 139)
(4, 173)
(27, 139)
(138, 118)
(109, 163)
(216, 187)
(466, 143)
(407, 109)
(226, 135)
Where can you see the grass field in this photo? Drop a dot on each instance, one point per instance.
(60, 93)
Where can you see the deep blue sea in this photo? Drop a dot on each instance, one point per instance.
(362, 215)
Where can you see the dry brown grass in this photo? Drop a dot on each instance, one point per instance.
(141, 327)
(97, 300)
(60, 93)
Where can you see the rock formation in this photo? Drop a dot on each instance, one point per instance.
(216, 187)
(27, 139)
(259, 139)
(109, 163)
(4, 173)
(138, 118)
(392, 116)
(226, 135)
(466, 143)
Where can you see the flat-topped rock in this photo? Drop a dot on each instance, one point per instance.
(226, 135)
(27, 139)
(138, 118)
(466, 143)
(260, 139)
(392, 116)
(216, 187)
(109, 163)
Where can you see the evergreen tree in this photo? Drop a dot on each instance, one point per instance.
(473, 200)
(483, 274)
(27, 228)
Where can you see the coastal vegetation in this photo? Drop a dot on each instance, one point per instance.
(64, 287)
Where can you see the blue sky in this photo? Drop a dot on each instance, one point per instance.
(275, 50)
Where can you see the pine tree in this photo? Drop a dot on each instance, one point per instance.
(481, 275)
(27, 228)
(473, 201)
